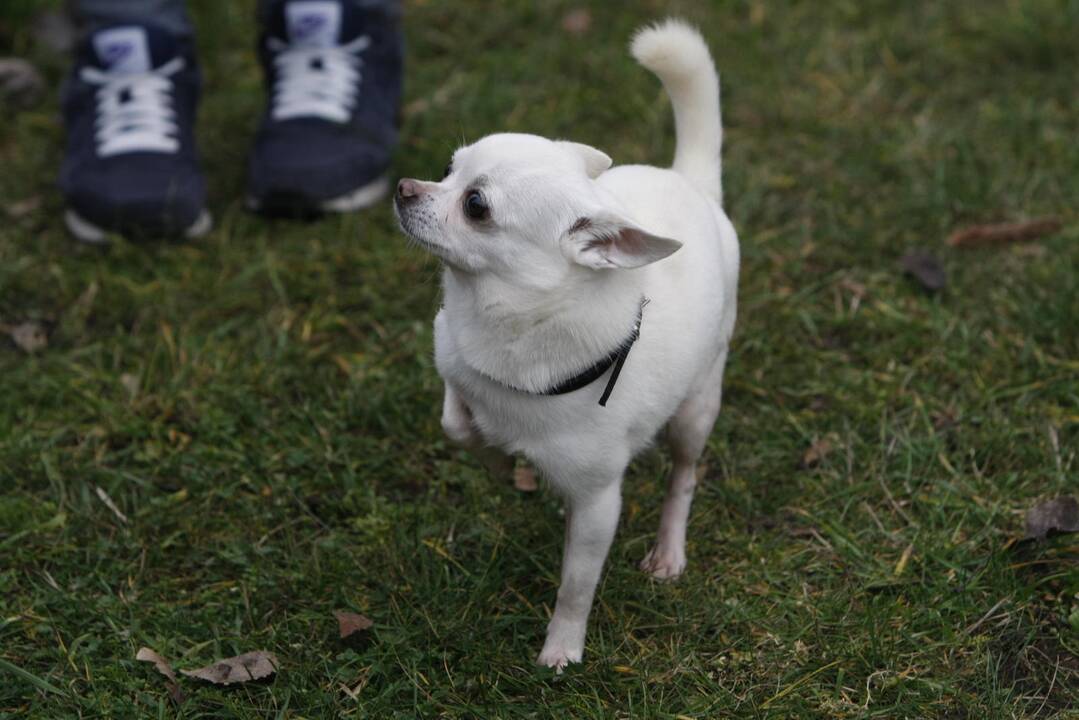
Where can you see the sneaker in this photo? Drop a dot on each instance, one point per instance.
(131, 165)
(333, 73)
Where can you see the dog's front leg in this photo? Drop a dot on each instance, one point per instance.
(591, 519)
(458, 426)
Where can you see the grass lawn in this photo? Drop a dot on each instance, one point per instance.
(262, 405)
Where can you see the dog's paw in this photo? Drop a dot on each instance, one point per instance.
(664, 563)
(557, 656)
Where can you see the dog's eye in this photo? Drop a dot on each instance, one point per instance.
(449, 170)
(475, 207)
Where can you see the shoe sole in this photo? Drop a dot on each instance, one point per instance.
(359, 199)
(91, 234)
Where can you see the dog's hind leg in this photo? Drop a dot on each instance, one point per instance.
(458, 426)
(687, 435)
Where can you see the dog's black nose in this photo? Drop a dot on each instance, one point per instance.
(407, 190)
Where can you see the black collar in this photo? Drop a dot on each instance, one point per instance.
(594, 372)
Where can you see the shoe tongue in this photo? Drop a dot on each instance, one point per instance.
(313, 23)
(132, 49)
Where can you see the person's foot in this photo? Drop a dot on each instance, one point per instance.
(333, 73)
(131, 165)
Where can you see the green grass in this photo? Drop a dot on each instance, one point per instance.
(262, 404)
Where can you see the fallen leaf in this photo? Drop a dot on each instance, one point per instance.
(242, 668)
(145, 654)
(30, 337)
(1060, 515)
(817, 451)
(925, 268)
(944, 419)
(524, 479)
(856, 288)
(1003, 232)
(21, 84)
(349, 623)
(22, 208)
(178, 438)
(577, 22)
(857, 291)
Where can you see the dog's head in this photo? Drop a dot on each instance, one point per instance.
(527, 209)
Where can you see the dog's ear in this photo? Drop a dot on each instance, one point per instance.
(596, 162)
(606, 240)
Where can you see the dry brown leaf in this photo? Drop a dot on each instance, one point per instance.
(20, 209)
(577, 22)
(349, 623)
(1003, 232)
(944, 419)
(1060, 515)
(856, 288)
(30, 337)
(21, 85)
(242, 668)
(524, 479)
(817, 451)
(857, 291)
(925, 268)
(145, 654)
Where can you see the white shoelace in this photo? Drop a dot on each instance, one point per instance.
(320, 82)
(135, 112)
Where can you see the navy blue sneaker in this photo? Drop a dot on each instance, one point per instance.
(333, 75)
(131, 166)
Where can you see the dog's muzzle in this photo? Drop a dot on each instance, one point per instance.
(413, 213)
(408, 192)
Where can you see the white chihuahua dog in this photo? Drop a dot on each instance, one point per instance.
(585, 308)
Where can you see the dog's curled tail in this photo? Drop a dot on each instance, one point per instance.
(678, 55)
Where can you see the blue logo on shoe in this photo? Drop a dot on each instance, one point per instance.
(116, 52)
(307, 25)
(313, 22)
(123, 49)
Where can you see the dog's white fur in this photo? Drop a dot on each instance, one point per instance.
(551, 282)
